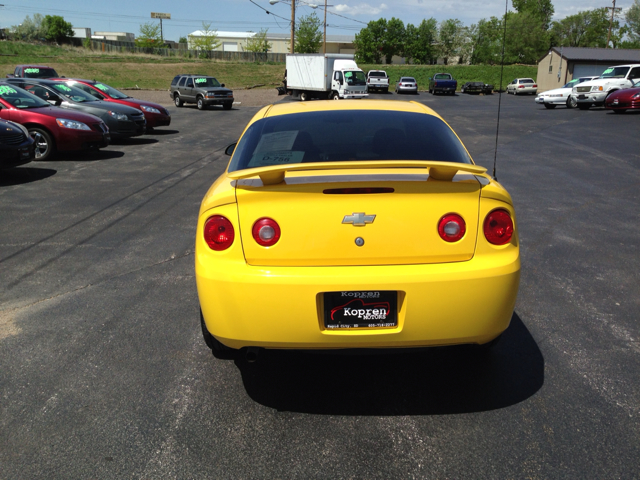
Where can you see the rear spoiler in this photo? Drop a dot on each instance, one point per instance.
(275, 174)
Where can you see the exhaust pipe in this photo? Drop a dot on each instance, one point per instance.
(252, 354)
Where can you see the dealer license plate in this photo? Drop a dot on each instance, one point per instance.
(582, 97)
(361, 309)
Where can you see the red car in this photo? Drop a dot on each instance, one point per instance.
(156, 115)
(33, 71)
(622, 100)
(52, 128)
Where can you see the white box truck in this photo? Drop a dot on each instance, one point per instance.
(331, 75)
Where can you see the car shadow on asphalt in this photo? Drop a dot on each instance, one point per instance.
(435, 381)
(134, 141)
(157, 132)
(88, 156)
(22, 175)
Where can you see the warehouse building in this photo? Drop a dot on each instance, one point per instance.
(237, 41)
(563, 64)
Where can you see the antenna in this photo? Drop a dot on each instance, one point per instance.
(504, 38)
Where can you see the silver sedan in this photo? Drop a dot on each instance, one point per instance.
(407, 85)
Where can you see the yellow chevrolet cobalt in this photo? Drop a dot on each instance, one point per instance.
(354, 224)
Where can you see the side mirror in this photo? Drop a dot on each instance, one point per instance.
(222, 84)
(229, 150)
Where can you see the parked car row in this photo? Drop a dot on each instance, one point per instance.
(63, 114)
(617, 89)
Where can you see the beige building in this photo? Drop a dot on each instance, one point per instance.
(237, 42)
(563, 64)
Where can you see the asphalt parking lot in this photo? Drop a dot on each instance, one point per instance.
(105, 374)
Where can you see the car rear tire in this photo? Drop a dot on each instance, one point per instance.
(44, 144)
(201, 104)
(549, 106)
(584, 106)
(178, 101)
(218, 349)
(304, 96)
(227, 105)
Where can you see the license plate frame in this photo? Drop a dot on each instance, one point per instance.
(362, 309)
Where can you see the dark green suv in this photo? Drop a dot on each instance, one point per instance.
(201, 90)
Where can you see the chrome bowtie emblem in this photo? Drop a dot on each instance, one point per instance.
(359, 219)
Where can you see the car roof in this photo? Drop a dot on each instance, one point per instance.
(30, 65)
(289, 108)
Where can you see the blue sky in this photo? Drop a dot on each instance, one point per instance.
(242, 15)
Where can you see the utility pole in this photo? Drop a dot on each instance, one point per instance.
(293, 25)
(324, 42)
(613, 11)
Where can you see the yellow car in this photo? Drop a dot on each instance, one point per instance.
(354, 224)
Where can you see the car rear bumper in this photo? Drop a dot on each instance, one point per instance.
(282, 307)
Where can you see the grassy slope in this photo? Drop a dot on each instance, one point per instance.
(152, 71)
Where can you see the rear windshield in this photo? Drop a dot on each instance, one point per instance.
(407, 79)
(442, 76)
(378, 74)
(347, 135)
(38, 72)
(206, 82)
(526, 80)
(19, 98)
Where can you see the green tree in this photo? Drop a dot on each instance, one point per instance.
(526, 39)
(308, 34)
(207, 41)
(149, 35)
(394, 39)
(450, 39)
(369, 42)
(420, 42)
(30, 28)
(542, 10)
(57, 29)
(258, 43)
(487, 46)
(632, 18)
(183, 40)
(585, 29)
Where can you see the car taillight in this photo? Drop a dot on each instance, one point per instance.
(520, 86)
(451, 227)
(218, 233)
(498, 227)
(535, 86)
(266, 232)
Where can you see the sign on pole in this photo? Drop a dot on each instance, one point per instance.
(161, 16)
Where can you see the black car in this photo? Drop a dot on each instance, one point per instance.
(477, 87)
(201, 90)
(16, 146)
(123, 121)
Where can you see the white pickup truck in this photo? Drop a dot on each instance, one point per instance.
(596, 91)
(378, 80)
